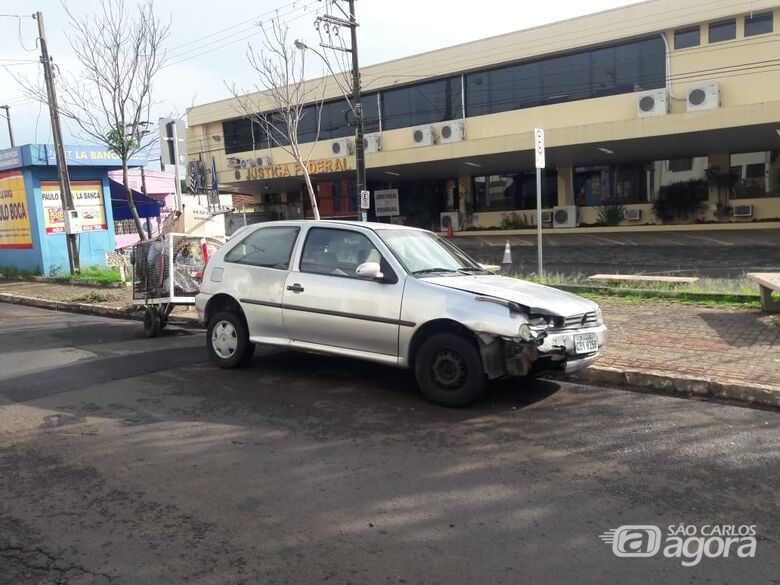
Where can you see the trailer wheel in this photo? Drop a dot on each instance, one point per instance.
(152, 322)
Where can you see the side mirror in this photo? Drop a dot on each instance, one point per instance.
(369, 271)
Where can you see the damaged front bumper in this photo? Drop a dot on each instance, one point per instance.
(558, 351)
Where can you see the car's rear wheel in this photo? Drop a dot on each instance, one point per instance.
(228, 340)
(449, 371)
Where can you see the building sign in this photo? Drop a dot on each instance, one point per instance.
(10, 158)
(386, 203)
(87, 198)
(15, 230)
(316, 167)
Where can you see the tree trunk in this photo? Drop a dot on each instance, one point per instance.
(130, 202)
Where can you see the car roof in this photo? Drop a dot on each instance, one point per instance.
(372, 225)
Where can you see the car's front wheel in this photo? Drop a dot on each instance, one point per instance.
(449, 370)
(228, 340)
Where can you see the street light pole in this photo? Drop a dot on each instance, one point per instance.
(8, 118)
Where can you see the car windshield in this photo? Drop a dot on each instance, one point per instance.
(423, 253)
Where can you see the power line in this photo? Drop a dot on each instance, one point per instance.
(198, 51)
(243, 24)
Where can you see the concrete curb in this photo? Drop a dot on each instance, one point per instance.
(134, 313)
(681, 385)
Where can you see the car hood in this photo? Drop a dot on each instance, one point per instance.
(537, 297)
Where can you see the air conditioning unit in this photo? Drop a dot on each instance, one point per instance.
(565, 217)
(703, 97)
(341, 147)
(632, 214)
(743, 211)
(547, 216)
(232, 161)
(652, 103)
(447, 219)
(423, 136)
(263, 161)
(451, 132)
(372, 143)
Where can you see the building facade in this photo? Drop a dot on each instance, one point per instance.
(668, 110)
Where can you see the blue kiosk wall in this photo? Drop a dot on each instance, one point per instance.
(48, 252)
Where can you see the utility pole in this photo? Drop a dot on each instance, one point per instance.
(62, 165)
(8, 118)
(357, 105)
(360, 161)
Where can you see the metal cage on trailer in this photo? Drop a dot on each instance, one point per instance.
(167, 272)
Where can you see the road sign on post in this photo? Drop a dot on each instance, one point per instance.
(365, 200)
(539, 148)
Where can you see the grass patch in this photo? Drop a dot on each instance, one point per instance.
(631, 297)
(97, 274)
(706, 291)
(714, 286)
(11, 271)
(93, 297)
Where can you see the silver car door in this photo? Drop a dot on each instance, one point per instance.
(258, 267)
(326, 303)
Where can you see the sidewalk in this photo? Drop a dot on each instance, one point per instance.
(664, 346)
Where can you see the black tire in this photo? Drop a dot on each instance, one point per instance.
(152, 322)
(227, 340)
(449, 370)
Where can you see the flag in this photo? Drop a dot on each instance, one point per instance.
(214, 195)
(214, 186)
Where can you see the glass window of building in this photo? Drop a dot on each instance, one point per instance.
(514, 191)
(723, 31)
(434, 101)
(621, 68)
(755, 174)
(370, 113)
(610, 184)
(243, 135)
(758, 24)
(665, 172)
(689, 37)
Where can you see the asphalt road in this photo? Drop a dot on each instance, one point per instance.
(133, 461)
(712, 254)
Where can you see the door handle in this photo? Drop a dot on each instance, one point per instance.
(295, 288)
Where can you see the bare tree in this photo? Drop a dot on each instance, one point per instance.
(278, 103)
(110, 99)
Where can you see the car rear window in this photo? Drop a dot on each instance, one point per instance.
(269, 247)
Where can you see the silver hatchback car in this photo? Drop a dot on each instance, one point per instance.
(390, 294)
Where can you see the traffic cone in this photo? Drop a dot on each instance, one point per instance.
(449, 230)
(507, 254)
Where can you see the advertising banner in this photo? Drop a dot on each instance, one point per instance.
(15, 232)
(87, 198)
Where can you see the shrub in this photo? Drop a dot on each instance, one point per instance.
(515, 221)
(610, 215)
(680, 200)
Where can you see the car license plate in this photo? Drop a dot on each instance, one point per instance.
(586, 343)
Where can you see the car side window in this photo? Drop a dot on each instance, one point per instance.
(337, 252)
(267, 247)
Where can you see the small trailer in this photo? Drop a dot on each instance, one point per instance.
(167, 272)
